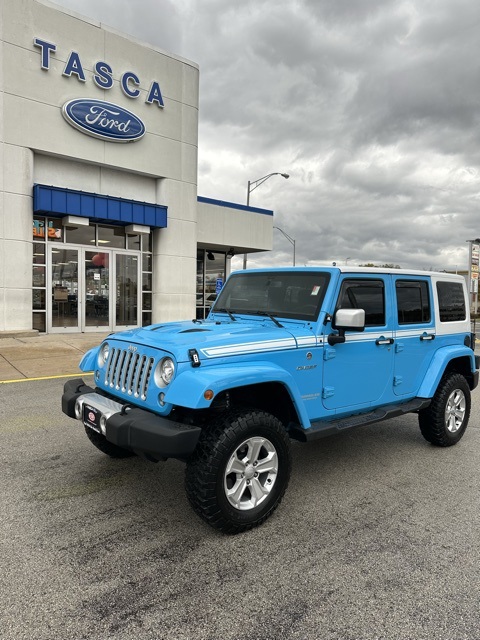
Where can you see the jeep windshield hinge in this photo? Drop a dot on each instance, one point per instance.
(194, 357)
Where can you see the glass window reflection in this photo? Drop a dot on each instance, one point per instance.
(80, 235)
(111, 237)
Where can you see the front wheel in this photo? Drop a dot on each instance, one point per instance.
(445, 420)
(239, 471)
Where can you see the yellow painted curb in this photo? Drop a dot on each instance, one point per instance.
(65, 375)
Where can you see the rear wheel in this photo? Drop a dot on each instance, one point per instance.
(444, 422)
(239, 471)
(112, 450)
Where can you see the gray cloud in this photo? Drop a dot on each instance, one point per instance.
(372, 106)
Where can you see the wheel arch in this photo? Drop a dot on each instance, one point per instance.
(272, 397)
(453, 359)
(261, 385)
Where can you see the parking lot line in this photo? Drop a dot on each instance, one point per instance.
(65, 375)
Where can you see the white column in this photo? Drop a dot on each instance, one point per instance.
(16, 216)
(175, 253)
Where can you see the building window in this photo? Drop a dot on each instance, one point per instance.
(81, 234)
(211, 269)
(113, 237)
(55, 230)
(147, 279)
(39, 311)
(134, 242)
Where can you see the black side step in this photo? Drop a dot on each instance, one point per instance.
(326, 428)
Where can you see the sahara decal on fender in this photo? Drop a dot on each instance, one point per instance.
(103, 120)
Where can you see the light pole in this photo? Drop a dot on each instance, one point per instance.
(252, 185)
(291, 240)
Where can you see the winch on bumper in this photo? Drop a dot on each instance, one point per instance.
(127, 426)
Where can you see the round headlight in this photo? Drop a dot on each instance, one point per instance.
(165, 371)
(103, 354)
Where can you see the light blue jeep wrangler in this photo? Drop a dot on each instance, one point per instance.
(286, 353)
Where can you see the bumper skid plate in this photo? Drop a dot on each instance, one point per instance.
(127, 426)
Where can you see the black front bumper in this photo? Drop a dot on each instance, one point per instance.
(135, 429)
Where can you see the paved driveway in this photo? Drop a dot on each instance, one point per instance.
(377, 537)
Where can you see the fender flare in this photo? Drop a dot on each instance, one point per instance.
(188, 388)
(438, 365)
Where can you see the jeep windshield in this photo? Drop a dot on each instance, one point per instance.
(286, 294)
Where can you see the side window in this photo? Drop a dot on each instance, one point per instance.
(451, 301)
(367, 295)
(413, 301)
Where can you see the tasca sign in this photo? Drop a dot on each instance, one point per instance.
(104, 120)
(98, 118)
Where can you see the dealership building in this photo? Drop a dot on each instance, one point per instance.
(101, 226)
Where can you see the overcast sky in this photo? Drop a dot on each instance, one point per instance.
(371, 106)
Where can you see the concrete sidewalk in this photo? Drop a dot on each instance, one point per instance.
(26, 355)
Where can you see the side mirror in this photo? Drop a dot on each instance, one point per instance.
(346, 320)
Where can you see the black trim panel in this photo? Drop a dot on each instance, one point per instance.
(137, 430)
(324, 428)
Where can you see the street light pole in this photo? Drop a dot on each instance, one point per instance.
(252, 185)
(291, 240)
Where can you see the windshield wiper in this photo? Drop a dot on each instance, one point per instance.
(269, 315)
(225, 310)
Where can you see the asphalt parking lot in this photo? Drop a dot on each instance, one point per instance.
(377, 537)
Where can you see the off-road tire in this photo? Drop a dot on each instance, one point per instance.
(207, 481)
(452, 395)
(112, 450)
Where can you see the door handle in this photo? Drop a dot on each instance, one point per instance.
(427, 336)
(383, 340)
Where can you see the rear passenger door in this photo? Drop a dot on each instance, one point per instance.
(414, 333)
(358, 373)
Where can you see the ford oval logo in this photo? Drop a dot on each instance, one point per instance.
(103, 120)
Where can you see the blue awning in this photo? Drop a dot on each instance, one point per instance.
(55, 201)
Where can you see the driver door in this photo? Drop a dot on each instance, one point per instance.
(359, 372)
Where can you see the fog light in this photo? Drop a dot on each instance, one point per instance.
(103, 425)
(97, 375)
(78, 410)
(161, 399)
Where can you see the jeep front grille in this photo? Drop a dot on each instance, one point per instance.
(129, 372)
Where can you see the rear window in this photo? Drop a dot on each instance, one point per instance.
(451, 301)
(413, 302)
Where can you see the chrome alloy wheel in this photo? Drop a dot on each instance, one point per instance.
(250, 473)
(455, 410)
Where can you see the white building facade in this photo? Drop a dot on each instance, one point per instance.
(101, 227)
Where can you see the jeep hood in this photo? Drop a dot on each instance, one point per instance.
(219, 340)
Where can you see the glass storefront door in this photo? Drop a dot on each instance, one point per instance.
(63, 294)
(126, 290)
(96, 290)
(111, 290)
(93, 290)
